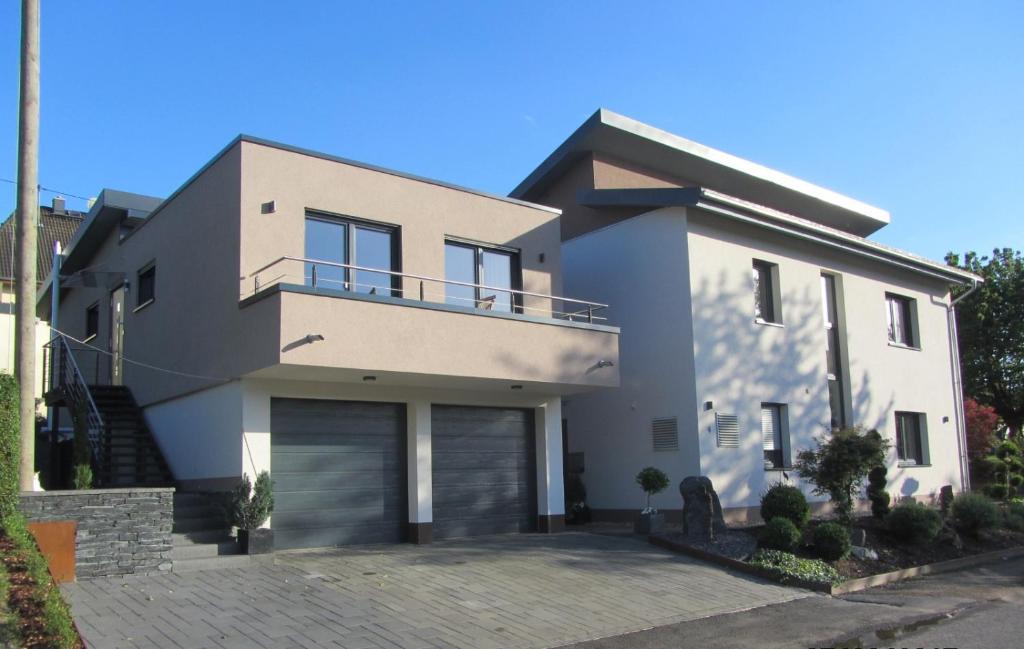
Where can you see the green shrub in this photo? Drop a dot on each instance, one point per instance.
(652, 481)
(838, 466)
(913, 522)
(832, 541)
(877, 494)
(1013, 517)
(787, 502)
(973, 513)
(779, 534)
(997, 491)
(250, 507)
(83, 477)
(787, 567)
(10, 446)
(1007, 466)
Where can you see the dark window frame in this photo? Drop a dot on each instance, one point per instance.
(516, 267)
(351, 224)
(767, 301)
(145, 285)
(915, 452)
(779, 457)
(92, 321)
(906, 307)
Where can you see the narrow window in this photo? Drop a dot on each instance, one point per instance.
(910, 440)
(900, 313)
(833, 353)
(766, 298)
(146, 292)
(92, 321)
(773, 427)
(482, 277)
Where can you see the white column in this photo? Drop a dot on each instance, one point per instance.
(255, 422)
(550, 494)
(420, 479)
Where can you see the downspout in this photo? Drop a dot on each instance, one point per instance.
(958, 392)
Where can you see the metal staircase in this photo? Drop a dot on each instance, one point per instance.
(124, 452)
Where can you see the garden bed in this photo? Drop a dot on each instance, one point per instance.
(896, 559)
(38, 616)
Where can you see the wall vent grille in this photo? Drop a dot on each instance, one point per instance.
(665, 434)
(728, 430)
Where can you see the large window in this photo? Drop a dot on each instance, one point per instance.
(493, 273)
(774, 432)
(767, 306)
(341, 243)
(911, 443)
(900, 314)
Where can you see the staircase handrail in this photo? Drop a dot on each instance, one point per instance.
(76, 391)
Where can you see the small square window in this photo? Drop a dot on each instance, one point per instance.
(911, 438)
(901, 313)
(92, 321)
(767, 306)
(146, 291)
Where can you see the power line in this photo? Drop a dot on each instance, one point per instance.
(51, 191)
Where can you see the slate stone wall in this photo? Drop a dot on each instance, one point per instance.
(120, 531)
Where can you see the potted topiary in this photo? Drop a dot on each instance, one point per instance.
(250, 508)
(652, 481)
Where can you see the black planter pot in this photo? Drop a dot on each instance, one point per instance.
(258, 541)
(649, 523)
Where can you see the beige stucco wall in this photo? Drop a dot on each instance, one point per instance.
(424, 212)
(208, 239)
(740, 363)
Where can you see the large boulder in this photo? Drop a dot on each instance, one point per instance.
(702, 512)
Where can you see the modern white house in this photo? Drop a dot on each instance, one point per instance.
(393, 350)
(756, 316)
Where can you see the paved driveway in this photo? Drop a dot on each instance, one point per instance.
(494, 592)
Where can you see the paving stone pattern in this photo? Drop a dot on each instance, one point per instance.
(495, 592)
(120, 531)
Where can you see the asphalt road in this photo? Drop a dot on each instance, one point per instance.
(977, 608)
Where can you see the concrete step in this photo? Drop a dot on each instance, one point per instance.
(204, 550)
(211, 563)
(186, 525)
(201, 537)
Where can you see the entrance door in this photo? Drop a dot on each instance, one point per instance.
(117, 335)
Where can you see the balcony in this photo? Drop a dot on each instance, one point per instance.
(344, 322)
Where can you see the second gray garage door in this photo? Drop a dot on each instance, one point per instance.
(339, 472)
(484, 471)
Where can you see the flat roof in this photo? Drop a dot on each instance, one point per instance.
(621, 137)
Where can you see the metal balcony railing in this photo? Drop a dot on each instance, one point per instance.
(318, 273)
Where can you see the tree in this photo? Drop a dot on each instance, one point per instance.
(839, 465)
(991, 326)
(652, 481)
(982, 422)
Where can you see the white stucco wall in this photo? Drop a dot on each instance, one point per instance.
(200, 434)
(740, 364)
(639, 268)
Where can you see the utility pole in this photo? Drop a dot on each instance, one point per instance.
(27, 215)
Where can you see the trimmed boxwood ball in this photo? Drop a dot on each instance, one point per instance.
(973, 513)
(914, 522)
(780, 534)
(831, 541)
(787, 502)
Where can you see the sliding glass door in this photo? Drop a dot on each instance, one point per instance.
(494, 272)
(352, 243)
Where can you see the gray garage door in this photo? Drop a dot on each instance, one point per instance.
(339, 472)
(484, 471)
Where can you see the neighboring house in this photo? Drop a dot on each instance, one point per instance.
(755, 317)
(57, 224)
(388, 347)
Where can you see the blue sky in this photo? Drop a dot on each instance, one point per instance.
(915, 107)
